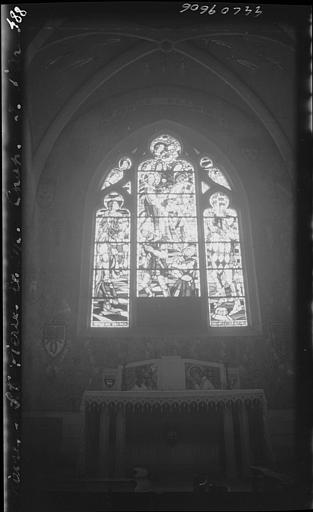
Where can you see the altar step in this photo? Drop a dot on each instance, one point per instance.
(121, 485)
(74, 501)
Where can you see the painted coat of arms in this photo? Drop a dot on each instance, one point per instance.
(109, 379)
(54, 339)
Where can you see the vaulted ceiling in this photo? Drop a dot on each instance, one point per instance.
(107, 52)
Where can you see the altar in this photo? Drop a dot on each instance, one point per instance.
(176, 417)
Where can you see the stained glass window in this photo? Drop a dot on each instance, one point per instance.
(158, 218)
(167, 233)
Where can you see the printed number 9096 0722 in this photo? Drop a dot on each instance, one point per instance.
(245, 10)
(17, 14)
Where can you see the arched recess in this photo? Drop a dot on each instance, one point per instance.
(127, 59)
(195, 144)
(189, 107)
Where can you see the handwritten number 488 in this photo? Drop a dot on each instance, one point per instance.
(17, 17)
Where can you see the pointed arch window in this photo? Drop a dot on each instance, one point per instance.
(166, 228)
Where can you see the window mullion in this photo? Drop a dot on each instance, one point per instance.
(133, 250)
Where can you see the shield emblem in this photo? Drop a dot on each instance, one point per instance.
(109, 379)
(108, 382)
(54, 339)
(45, 194)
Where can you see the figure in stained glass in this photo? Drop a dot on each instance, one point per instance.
(110, 285)
(219, 206)
(183, 182)
(225, 282)
(112, 221)
(110, 303)
(104, 252)
(218, 177)
(116, 174)
(224, 264)
(221, 229)
(181, 229)
(166, 198)
(168, 270)
(104, 289)
(213, 172)
(150, 203)
(175, 205)
(154, 261)
(166, 149)
(185, 273)
(177, 255)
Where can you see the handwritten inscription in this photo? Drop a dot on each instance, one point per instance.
(16, 16)
(13, 243)
(212, 9)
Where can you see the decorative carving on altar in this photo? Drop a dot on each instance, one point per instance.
(179, 401)
(204, 376)
(201, 377)
(169, 373)
(110, 379)
(141, 376)
(233, 378)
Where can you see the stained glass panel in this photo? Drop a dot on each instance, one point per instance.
(206, 162)
(110, 289)
(128, 187)
(111, 255)
(213, 172)
(178, 182)
(204, 187)
(111, 229)
(184, 256)
(219, 178)
(166, 212)
(226, 292)
(165, 205)
(104, 314)
(223, 254)
(112, 221)
(177, 229)
(111, 280)
(116, 174)
(227, 312)
(225, 283)
(221, 229)
(168, 283)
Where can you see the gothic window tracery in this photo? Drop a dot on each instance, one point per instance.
(179, 213)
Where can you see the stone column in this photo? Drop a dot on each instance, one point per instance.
(120, 442)
(244, 438)
(104, 431)
(230, 454)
